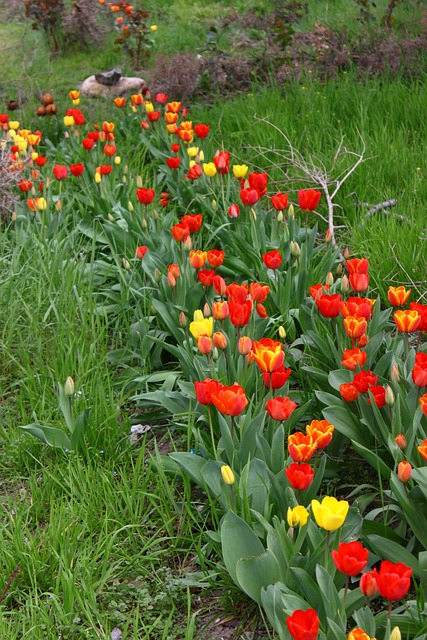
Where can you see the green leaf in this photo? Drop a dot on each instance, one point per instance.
(256, 573)
(394, 552)
(331, 600)
(49, 435)
(238, 541)
(374, 460)
(347, 424)
(308, 587)
(77, 437)
(64, 403)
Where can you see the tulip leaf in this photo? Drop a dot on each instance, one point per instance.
(273, 604)
(256, 573)
(238, 541)
(331, 600)
(278, 450)
(309, 588)
(364, 618)
(374, 460)
(335, 632)
(347, 424)
(390, 550)
(49, 435)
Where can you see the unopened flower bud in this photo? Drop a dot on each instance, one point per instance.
(214, 205)
(156, 274)
(368, 584)
(404, 471)
(117, 160)
(389, 396)
(329, 279)
(345, 285)
(395, 634)
(215, 354)
(400, 440)
(394, 373)
(295, 249)
(188, 244)
(124, 179)
(144, 224)
(339, 269)
(207, 310)
(14, 217)
(201, 156)
(131, 208)
(280, 216)
(111, 218)
(58, 205)
(253, 213)
(98, 177)
(126, 263)
(139, 182)
(171, 279)
(204, 344)
(125, 169)
(328, 236)
(182, 320)
(227, 474)
(69, 387)
(220, 340)
(346, 253)
(245, 345)
(291, 211)
(282, 332)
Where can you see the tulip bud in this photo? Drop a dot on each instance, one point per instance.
(346, 253)
(215, 354)
(282, 332)
(125, 169)
(339, 269)
(58, 205)
(156, 274)
(245, 345)
(227, 474)
(400, 440)
(204, 344)
(188, 244)
(144, 224)
(69, 387)
(131, 208)
(220, 340)
(389, 396)
(171, 279)
(155, 215)
(395, 634)
(214, 205)
(97, 177)
(345, 285)
(394, 373)
(404, 471)
(295, 249)
(14, 217)
(291, 211)
(329, 279)
(182, 320)
(139, 182)
(201, 156)
(368, 585)
(33, 191)
(126, 263)
(117, 160)
(124, 179)
(47, 183)
(111, 218)
(253, 213)
(328, 236)
(207, 310)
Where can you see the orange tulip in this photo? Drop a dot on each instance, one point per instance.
(244, 346)
(320, 431)
(268, 354)
(219, 340)
(353, 358)
(204, 344)
(423, 403)
(280, 408)
(108, 127)
(173, 107)
(423, 449)
(258, 291)
(355, 327)
(400, 439)
(229, 401)
(171, 118)
(120, 102)
(301, 447)
(404, 471)
(407, 321)
(197, 259)
(398, 296)
(220, 310)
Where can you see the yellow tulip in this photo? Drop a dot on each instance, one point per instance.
(34, 155)
(41, 204)
(24, 133)
(210, 169)
(153, 27)
(201, 327)
(240, 171)
(149, 107)
(76, 102)
(331, 514)
(193, 151)
(68, 121)
(297, 516)
(98, 177)
(227, 474)
(198, 315)
(117, 160)
(13, 124)
(192, 163)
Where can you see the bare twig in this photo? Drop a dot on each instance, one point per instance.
(379, 207)
(9, 582)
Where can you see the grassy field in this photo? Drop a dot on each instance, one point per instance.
(103, 542)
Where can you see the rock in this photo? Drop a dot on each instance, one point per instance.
(111, 84)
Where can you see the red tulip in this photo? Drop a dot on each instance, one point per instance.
(277, 379)
(145, 196)
(359, 281)
(357, 265)
(161, 98)
(25, 185)
(279, 201)
(422, 312)
(110, 150)
(105, 169)
(368, 584)
(249, 196)
(193, 221)
(239, 292)
(308, 199)
(280, 408)
(240, 312)
(229, 401)
(88, 144)
(379, 395)
(141, 251)
(201, 130)
(204, 389)
(77, 169)
(348, 392)
(300, 476)
(40, 161)
(233, 211)
(258, 181)
(215, 257)
(195, 172)
(358, 307)
(258, 291)
(303, 625)
(60, 172)
(318, 290)
(393, 580)
(329, 305)
(423, 404)
(419, 372)
(153, 116)
(353, 358)
(221, 161)
(272, 259)
(180, 232)
(350, 558)
(206, 276)
(404, 471)
(173, 163)
(363, 380)
(219, 285)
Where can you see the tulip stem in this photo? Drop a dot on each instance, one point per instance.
(347, 579)
(212, 432)
(232, 428)
(328, 535)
